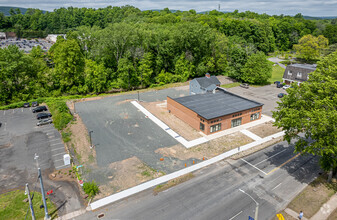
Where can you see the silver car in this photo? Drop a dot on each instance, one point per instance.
(44, 121)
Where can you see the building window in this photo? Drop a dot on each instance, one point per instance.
(237, 114)
(236, 122)
(255, 116)
(299, 75)
(202, 126)
(290, 73)
(216, 127)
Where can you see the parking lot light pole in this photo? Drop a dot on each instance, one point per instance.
(257, 204)
(90, 138)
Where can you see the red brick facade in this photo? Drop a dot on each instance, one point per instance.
(210, 126)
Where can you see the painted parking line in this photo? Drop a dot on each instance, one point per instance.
(57, 154)
(276, 186)
(58, 160)
(57, 139)
(254, 167)
(49, 133)
(56, 144)
(4, 112)
(58, 149)
(52, 136)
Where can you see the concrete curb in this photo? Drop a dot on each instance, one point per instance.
(72, 215)
(147, 185)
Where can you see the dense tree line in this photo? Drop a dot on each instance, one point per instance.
(125, 48)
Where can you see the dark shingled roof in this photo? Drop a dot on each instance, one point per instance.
(204, 82)
(214, 105)
(304, 69)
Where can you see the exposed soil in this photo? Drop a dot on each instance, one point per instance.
(265, 129)
(159, 110)
(206, 150)
(80, 141)
(127, 173)
(311, 199)
(65, 174)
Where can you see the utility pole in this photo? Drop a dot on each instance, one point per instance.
(30, 202)
(257, 204)
(90, 139)
(46, 215)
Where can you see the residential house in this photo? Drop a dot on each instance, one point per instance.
(204, 84)
(298, 73)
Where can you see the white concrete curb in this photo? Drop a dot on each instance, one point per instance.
(72, 215)
(147, 185)
(250, 134)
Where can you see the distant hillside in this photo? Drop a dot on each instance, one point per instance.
(318, 18)
(5, 10)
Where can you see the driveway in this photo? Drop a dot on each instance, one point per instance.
(20, 139)
(266, 95)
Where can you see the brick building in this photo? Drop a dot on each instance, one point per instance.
(212, 112)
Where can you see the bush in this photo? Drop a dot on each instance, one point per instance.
(90, 188)
(60, 112)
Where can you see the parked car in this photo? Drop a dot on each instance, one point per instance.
(280, 95)
(34, 104)
(43, 115)
(286, 87)
(26, 105)
(280, 85)
(44, 121)
(277, 82)
(39, 109)
(244, 85)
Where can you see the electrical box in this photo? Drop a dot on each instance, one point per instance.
(66, 159)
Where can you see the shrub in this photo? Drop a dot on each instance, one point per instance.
(90, 188)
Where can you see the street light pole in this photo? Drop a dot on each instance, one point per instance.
(257, 204)
(90, 138)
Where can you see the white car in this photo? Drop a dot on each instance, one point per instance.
(286, 87)
(44, 121)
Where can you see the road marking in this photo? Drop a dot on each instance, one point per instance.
(60, 166)
(276, 186)
(13, 111)
(4, 112)
(49, 133)
(5, 126)
(255, 167)
(58, 149)
(235, 215)
(58, 154)
(22, 110)
(283, 164)
(52, 136)
(58, 160)
(270, 157)
(56, 144)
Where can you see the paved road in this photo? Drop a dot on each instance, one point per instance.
(273, 176)
(277, 60)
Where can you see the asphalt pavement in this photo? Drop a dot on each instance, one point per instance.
(273, 177)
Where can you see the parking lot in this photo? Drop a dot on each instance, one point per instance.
(20, 139)
(26, 45)
(264, 94)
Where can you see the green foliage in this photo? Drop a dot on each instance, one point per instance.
(277, 74)
(310, 47)
(90, 188)
(66, 136)
(311, 109)
(60, 112)
(257, 70)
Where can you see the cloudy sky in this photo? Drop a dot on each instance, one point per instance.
(287, 7)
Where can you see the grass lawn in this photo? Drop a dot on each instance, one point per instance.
(277, 74)
(313, 197)
(12, 206)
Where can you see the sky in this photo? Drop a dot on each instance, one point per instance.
(271, 7)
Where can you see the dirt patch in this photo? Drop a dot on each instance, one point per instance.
(124, 101)
(313, 196)
(127, 173)
(80, 143)
(159, 110)
(172, 183)
(66, 174)
(264, 130)
(333, 215)
(206, 150)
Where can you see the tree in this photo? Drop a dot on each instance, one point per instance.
(90, 188)
(311, 110)
(309, 47)
(95, 77)
(146, 70)
(69, 65)
(257, 70)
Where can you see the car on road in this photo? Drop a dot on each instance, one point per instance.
(34, 104)
(281, 95)
(39, 109)
(244, 85)
(44, 121)
(26, 105)
(43, 115)
(277, 82)
(286, 87)
(280, 85)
